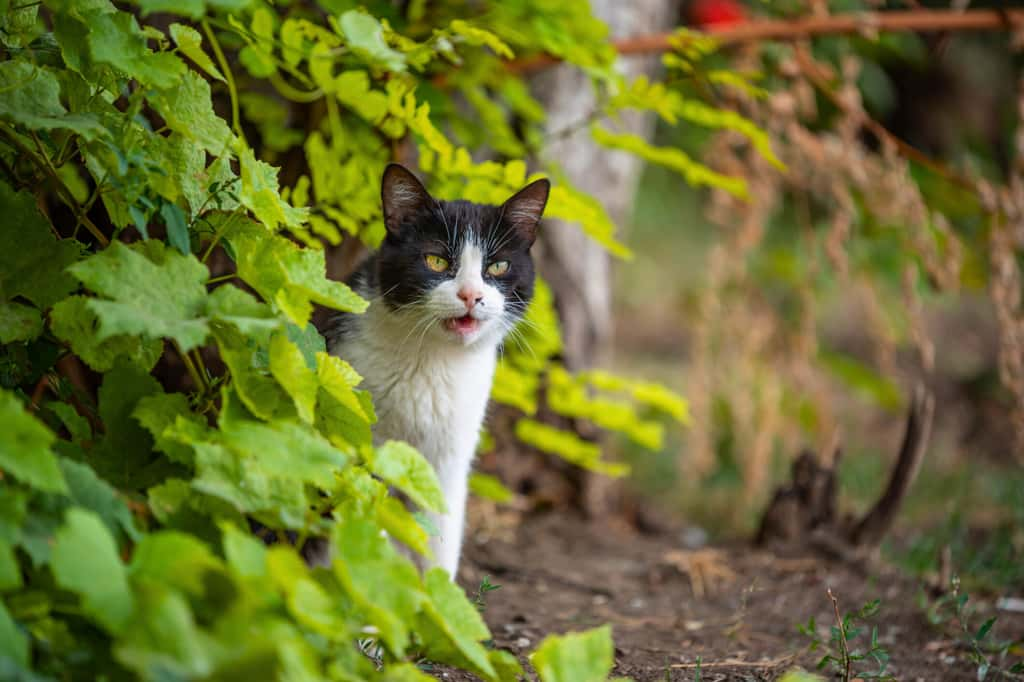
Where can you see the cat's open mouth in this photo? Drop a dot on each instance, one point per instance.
(463, 326)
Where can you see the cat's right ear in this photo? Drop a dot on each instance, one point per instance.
(402, 195)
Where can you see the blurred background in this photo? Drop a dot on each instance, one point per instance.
(804, 316)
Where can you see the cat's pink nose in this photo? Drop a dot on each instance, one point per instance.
(470, 296)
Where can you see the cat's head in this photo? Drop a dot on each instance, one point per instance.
(457, 272)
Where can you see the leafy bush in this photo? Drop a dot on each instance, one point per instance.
(126, 512)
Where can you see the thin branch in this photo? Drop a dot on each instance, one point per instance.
(918, 20)
(876, 523)
(847, 663)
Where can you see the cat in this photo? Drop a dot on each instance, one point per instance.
(449, 281)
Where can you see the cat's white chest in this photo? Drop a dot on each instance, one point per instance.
(437, 404)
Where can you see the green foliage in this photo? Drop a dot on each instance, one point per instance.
(841, 656)
(157, 282)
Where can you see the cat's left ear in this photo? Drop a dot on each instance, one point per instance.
(524, 209)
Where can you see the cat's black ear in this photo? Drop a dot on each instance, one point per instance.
(402, 195)
(524, 209)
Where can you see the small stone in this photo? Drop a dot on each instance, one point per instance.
(523, 642)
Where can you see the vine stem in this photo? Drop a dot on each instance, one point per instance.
(842, 637)
(193, 371)
(920, 20)
(229, 79)
(43, 163)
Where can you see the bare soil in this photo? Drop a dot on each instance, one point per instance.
(734, 607)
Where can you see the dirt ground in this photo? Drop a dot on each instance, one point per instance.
(734, 607)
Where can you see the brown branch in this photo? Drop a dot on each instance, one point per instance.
(876, 523)
(921, 21)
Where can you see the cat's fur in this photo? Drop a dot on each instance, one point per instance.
(427, 345)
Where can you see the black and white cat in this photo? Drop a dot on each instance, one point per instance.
(450, 280)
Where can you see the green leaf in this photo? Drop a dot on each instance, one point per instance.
(32, 261)
(478, 36)
(177, 227)
(116, 39)
(85, 561)
(188, 111)
(576, 657)
(190, 43)
(25, 447)
(19, 322)
(167, 417)
(245, 554)
(146, 298)
(566, 445)
(404, 467)
(174, 559)
(365, 35)
(289, 367)
(78, 426)
(291, 277)
(862, 379)
(91, 492)
(259, 193)
(31, 97)
(74, 322)
(490, 488)
(459, 626)
(194, 9)
(10, 573)
(13, 642)
(383, 585)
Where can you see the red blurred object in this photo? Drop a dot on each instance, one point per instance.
(716, 12)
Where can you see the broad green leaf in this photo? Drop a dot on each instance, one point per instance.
(401, 525)
(162, 415)
(13, 641)
(174, 559)
(89, 491)
(245, 554)
(32, 261)
(25, 447)
(190, 43)
(576, 657)
(19, 322)
(31, 97)
(256, 389)
(145, 298)
(292, 277)
(288, 366)
(272, 449)
(404, 467)
(458, 628)
(78, 426)
(385, 586)
(239, 308)
(85, 561)
(188, 110)
(166, 637)
(116, 39)
(73, 321)
(364, 34)
(259, 193)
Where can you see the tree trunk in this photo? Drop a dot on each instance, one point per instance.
(578, 269)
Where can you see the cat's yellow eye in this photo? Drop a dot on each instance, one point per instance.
(436, 263)
(497, 268)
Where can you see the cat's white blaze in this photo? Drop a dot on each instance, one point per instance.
(429, 388)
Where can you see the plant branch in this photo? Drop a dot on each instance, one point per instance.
(43, 163)
(919, 20)
(845, 648)
(229, 79)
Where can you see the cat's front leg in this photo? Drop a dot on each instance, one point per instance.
(446, 542)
